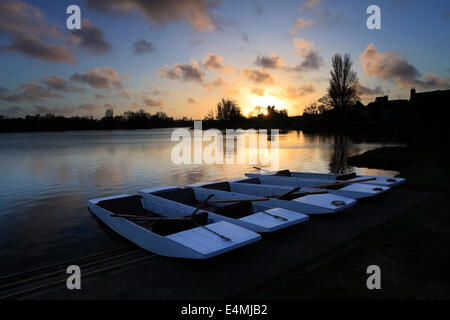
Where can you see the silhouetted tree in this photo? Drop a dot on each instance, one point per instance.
(311, 109)
(342, 92)
(109, 113)
(228, 109)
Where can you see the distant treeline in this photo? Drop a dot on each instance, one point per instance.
(129, 120)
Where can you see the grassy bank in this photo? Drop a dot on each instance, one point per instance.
(412, 250)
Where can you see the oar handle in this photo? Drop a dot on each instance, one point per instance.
(338, 184)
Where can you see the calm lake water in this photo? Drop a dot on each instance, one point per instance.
(47, 178)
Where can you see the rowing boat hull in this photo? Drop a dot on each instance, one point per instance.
(353, 191)
(327, 177)
(196, 243)
(309, 204)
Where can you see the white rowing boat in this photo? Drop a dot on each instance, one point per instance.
(324, 177)
(232, 207)
(300, 199)
(352, 190)
(170, 230)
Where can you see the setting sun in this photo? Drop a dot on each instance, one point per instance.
(259, 104)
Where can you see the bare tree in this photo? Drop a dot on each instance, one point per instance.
(311, 109)
(109, 113)
(342, 92)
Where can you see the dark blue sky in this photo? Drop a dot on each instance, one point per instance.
(182, 56)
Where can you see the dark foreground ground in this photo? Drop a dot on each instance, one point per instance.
(233, 275)
(412, 249)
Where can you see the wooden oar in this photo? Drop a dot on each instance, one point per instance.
(344, 183)
(203, 205)
(258, 168)
(285, 194)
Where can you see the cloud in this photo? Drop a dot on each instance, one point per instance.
(213, 62)
(197, 12)
(269, 62)
(258, 76)
(303, 46)
(366, 91)
(230, 92)
(301, 23)
(297, 92)
(30, 91)
(183, 71)
(232, 26)
(149, 102)
(191, 100)
(59, 84)
(100, 78)
(18, 18)
(389, 66)
(142, 46)
(33, 47)
(312, 59)
(310, 4)
(258, 92)
(91, 38)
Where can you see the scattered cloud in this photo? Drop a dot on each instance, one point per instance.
(300, 91)
(258, 92)
(269, 62)
(149, 102)
(91, 38)
(183, 71)
(33, 47)
(19, 18)
(389, 66)
(30, 91)
(215, 83)
(213, 62)
(258, 76)
(60, 84)
(143, 46)
(301, 23)
(310, 4)
(196, 12)
(312, 59)
(100, 78)
(366, 91)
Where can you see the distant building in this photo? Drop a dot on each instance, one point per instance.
(431, 105)
(421, 106)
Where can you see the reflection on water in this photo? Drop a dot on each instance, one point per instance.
(48, 177)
